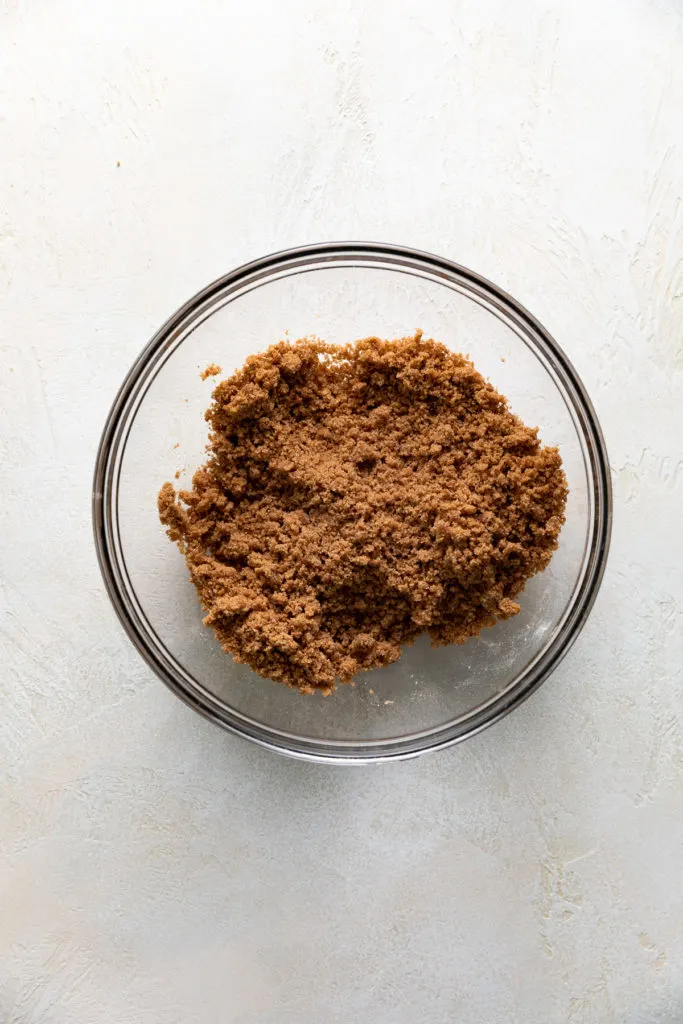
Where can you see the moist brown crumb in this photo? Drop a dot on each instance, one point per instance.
(355, 497)
(212, 370)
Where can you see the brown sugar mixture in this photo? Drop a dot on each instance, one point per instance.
(355, 497)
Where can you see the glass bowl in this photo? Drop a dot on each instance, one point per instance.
(430, 698)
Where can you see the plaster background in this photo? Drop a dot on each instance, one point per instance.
(156, 871)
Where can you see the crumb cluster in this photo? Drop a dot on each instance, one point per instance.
(212, 370)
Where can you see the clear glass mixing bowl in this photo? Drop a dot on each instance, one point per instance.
(340, 292)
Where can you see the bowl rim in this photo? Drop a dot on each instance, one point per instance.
(363, 752)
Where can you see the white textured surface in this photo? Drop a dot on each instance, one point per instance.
(156, 871)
